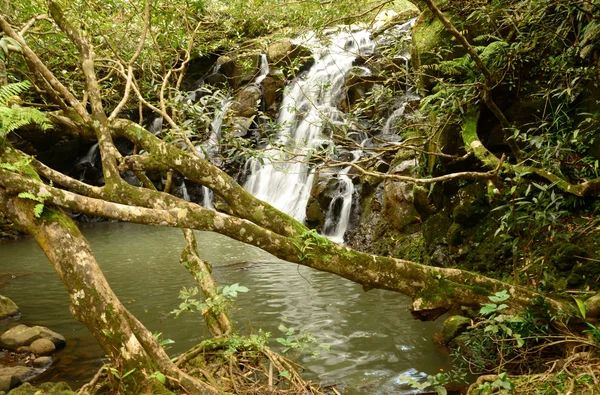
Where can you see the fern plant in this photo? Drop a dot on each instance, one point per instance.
(13, 116)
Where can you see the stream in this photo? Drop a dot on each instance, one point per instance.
(372, 337)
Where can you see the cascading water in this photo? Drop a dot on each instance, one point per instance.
(310, 104)
(338, 214)
(264, 69)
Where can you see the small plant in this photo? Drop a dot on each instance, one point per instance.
(297, 341)
(41, 198)
(219, 303)
(114, 372)
(498, 322)
(308, 240)
(502, 382)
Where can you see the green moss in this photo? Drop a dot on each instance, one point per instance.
(44, 389)
(454, 326)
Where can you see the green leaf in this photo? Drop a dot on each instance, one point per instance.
(499, 296)
(440, 390)
(160, 377)
(581, 307)
(285, 374)
(38, 209)
(520, 341)
(28, 195)
(488, 308)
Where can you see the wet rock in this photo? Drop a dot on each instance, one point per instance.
(246, 101)
(42, 347)
(9, 382)
(454, 326)
(42, 362)
(8, 308)
(240, 126)
(16, 373)
(441, 257)
(239, 69)
(398, 206)
(272, 87)
(472, 205)
(284, 52)
(358, 82)
(22, 335)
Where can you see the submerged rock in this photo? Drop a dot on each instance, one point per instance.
(8, 308)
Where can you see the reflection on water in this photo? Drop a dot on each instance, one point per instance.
(372, 336)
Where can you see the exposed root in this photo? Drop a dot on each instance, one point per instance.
(233, 365)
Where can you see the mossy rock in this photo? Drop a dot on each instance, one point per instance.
(472, 204)
(454, 326)
(432, 43)
(61, 388)
(454, 236)
(584, 273)
(421, 201)
(436, 228)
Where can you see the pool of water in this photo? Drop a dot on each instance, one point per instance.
(372, 337)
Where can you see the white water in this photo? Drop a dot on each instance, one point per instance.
(337, 221)
(309, 104)
(264, 69)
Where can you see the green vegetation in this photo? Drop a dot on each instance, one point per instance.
(508, 123)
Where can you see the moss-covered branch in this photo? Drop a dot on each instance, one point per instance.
(472, 143)
(433, 290)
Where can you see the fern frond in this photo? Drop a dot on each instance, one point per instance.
(15, 117)
(14, 89)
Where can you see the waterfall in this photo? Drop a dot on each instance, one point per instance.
(207, 198)
(156, 125)
(338, 214)
(264, 69)
(284, 179)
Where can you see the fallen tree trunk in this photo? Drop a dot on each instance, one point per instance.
(434, 290)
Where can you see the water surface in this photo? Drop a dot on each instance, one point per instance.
(372, 336)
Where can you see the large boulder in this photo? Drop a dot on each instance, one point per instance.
(8, 308)
(22, 335)
(272, 86)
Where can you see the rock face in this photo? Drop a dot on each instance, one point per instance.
(8, 308)
(22, 335)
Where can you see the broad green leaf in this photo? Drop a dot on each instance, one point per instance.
(487, 308)
(441, 390)
(499, 296)
(581, 307)
(161, 377)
